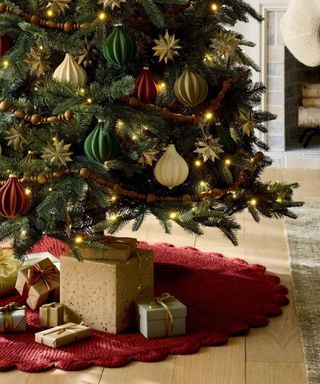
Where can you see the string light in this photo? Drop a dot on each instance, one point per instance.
(35, 88)
(207, 57)
(173, 215)
(228, 162)
(54, 139)
(89, 100)
(120, 124)
(82, 91)
(28, 191)
(134, 137)
(102, 16)
(6, 63)
(23, 232)
(49, 13)
(198, 163)
(78, 240)
(253, 202)
(114, 198)
(145, 127)
(162, 86)
(214, 7)
(41, 47)
(279, 200)
(113, 218)
(208, 116)
(202, 183)
(50, 189)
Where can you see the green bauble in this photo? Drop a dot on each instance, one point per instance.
(101, 146)
(119, 47)
(225, 139)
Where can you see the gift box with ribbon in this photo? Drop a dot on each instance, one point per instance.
(105, 290)
(111, 248)
(51, 315)
(39, 283)
(9, 267)
(13, 318)
(161, 317)
(62, 335)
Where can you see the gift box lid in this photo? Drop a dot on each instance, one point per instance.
(149, 312)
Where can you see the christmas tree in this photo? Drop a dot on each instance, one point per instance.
(112, 110)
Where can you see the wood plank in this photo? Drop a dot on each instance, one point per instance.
(14, 377)
(56, 376)
(212, 365)
(141, 373)
(280, 341)
(276, 373)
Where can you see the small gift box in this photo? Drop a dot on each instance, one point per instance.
(9, 267)
(51, 315)
(13, 318)
(112, 248)
(62, 335)
(39, 283)
(163, 316)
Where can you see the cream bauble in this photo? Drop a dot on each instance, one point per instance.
(71, 72)
(191, 89)
(171, 170)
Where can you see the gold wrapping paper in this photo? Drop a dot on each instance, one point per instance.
(114, 248)
(102, 292)
(51, 315)
(62, 335)
(39, 283)
(13, 318)
(9, 267)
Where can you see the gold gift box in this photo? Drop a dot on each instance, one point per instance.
(9, 267)
(101, 293)
(13, 318)
(112, 248)
(62, 335)
(39, 283)
(51, 315)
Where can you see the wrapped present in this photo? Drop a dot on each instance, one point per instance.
(62, 335)
(51, 315)
(112, 248)
(13, 318)
(9, 267)
(102, 292)
(163, 316)
(39, 283)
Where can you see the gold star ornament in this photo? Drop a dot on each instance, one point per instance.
(247, 122)
(166, 47)
(57, 153)
(148, 157)
(111, 3)
(16, 136)
(39, 62)
(59, 6)
(209, 149)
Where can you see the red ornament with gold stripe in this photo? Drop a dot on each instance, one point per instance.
(14, 200)
(146, 87)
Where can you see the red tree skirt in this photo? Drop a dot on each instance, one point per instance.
(224, 298)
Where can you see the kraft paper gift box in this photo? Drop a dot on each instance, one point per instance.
(9, 267)
(62, 335)
(13, 318)
(112, 248)
(39, 283)
(161, 317)
(51, 315)
(101, 293)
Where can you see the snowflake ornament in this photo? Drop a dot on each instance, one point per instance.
(166, 47)
(209, 149)
(57, 153)
(59, 6)
(111, 3)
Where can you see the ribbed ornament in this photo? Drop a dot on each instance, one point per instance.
(146, 87)
(5, 45)
(13, 199)
(71, 72)
(191, 89)
(101, 146)
(119, 47)
(171, 170)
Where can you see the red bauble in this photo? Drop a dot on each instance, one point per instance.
(146, 87)
(5, 45)
(13, 199)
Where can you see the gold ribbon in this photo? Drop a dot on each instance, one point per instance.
(8, 316)
(61, 330)
(161, 301)
(8, 264)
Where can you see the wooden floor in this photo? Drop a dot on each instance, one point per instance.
(270, 355)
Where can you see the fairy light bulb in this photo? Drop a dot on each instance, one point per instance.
(134, 137)
(114, 198)
(173, 215)
(202, 183)
(279, 200)
(214, 7)
(198, 163)
(102, 16)
(253, 202)
(78, 239)
(49, 13)
(89, 100)
(50, 189)
(82, 91)
(228, 162)
(28, 191)
(23, 232)
(113, 218)
(208, 116)
(6, 63)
